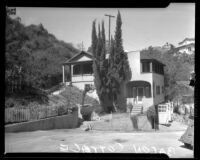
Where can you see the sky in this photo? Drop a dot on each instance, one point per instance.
(141, 27)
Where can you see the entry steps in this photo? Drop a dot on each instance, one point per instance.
(137, 109)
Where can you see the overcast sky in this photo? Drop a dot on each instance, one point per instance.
(140, 27)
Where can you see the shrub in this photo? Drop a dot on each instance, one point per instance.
(86, 112)
(152, 117)
(176, 109)
(10, 102)
(62, 110)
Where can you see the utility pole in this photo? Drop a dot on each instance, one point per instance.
(82, 45)
(110, 16)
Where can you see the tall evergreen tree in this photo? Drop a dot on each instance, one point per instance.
(97, 80)
(120, 72)
(110, 78)
(100, 64)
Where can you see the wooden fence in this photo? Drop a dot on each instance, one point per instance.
(14, 115)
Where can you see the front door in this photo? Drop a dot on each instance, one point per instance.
(140, 94)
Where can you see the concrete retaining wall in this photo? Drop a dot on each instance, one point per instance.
(59, 122)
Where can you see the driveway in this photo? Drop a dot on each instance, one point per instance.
(77, 140)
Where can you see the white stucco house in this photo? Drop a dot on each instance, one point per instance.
(186, 46)
(145, 88)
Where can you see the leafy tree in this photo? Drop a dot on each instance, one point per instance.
(178, 67)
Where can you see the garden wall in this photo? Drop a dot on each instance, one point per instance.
(59, 122)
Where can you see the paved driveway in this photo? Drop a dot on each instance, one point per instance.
(77, 140)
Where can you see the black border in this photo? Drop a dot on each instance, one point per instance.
(98, 4)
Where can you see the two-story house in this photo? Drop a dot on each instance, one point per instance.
(81, 71)
(146, 86)
(186, 46)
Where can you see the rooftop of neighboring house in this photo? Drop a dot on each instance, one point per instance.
(186, 39)
(186, 46)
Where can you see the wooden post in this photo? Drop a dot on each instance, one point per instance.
(63, 67)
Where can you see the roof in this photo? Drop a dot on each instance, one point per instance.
(77, 56)
(185, 46)
(144, 56)
(186, 39)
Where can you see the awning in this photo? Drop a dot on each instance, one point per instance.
(138, 83)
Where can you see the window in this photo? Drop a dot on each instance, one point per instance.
(87, 68)
(145, 66)
(80, 69)
(158, 90)
(77, 69)
(162, 89)
(162, 109)
(147, 92)
(153, 89)
(158, 68)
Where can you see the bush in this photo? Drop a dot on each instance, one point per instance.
(86, 112)
(9, 103)
(62, 110)
(152, 117)
(176, 109)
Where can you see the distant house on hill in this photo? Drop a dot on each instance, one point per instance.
(146, 88)
(186, 46)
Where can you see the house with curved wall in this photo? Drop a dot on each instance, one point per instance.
(146, 87)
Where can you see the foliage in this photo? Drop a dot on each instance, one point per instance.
(110, 74)
(119, 71)
(34, 54)
(177, 68)
(86, 112)
(99, 62)
(62, 109)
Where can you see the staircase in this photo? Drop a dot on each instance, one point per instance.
(137, 109)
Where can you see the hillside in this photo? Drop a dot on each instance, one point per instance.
(34, 55)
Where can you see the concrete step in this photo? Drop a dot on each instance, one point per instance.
(136, 109)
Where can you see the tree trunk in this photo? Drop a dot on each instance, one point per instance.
(121, 98)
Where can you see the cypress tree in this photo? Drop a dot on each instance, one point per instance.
(119, 72)
(97, 81)
(94, 39)
(99, 68)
